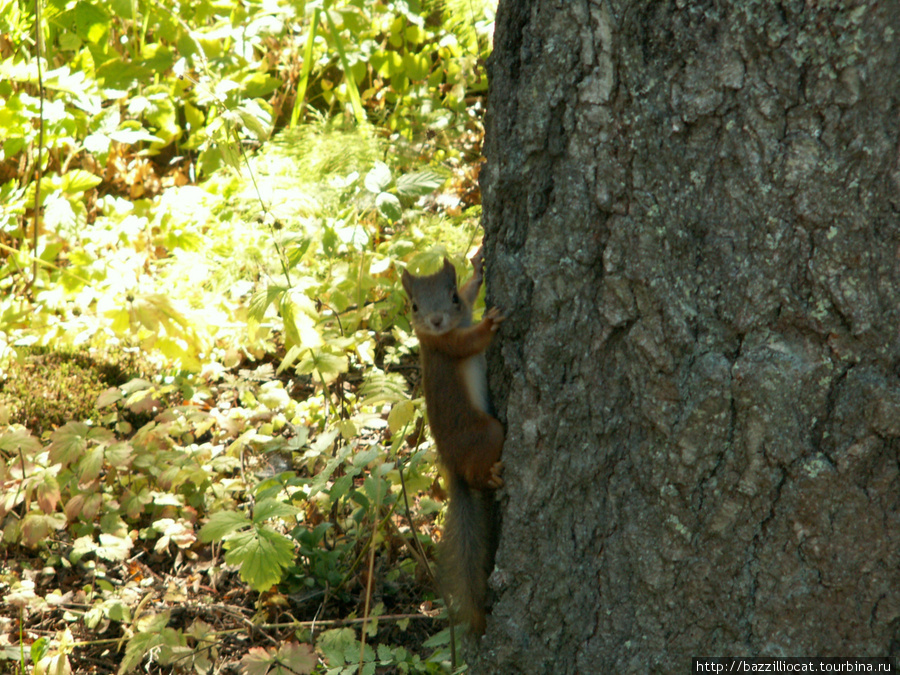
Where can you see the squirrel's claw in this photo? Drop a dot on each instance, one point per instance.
(478, 259)
(495, 480)
(496, 316)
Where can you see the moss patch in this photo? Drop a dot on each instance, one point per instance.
(46, 389)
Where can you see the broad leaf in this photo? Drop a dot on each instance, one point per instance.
(263, 555)
(260, 302)
(419, 183)
(401, 414)
(69, 443)
(272, 508)
(79, 180)
(114, 548)
(36, 527)
(389, 206)
(12, 440)
(221, 524)
(378, 179)
(48, 494)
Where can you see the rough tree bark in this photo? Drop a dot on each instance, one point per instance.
(692, 219)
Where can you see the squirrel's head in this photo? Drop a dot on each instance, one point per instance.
(436, 305)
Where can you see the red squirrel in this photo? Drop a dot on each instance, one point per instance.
(468, 437)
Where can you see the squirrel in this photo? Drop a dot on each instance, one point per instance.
(468, 437)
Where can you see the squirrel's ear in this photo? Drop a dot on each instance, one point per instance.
(406, 280)
(449, 269)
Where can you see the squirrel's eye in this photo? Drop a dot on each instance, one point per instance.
(415, 307)
(455, 298)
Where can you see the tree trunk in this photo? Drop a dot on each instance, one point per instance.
(692, 218)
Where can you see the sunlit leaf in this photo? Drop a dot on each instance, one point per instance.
(389, 206)
(273, 508)
(90, 464)
(378, 179)
(223, 523)
(300, 327)
(108, 397)
(419, 183)
(112, 547)
(79, 180)
(48, 494)
(151, 634)
(260, 301)
(262, 554)
(69, 443)
(12, 440)
(401, 414)
(259, 85)
(324, 363)
(59, 214)
(36, 527)
(256, 119)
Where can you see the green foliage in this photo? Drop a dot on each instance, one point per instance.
(289, 659)
(45, 389)
(261, 552)
(256, 429)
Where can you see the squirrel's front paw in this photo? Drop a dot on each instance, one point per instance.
(478, 260)
(495, 480)
(495, 317)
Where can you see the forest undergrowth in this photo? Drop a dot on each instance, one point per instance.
(212, 450)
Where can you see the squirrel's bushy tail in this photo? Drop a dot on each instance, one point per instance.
(467, 555)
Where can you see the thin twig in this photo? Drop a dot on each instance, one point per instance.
(39, 48)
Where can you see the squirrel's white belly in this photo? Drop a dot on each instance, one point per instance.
(474, 376)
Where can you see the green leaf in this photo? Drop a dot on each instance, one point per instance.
(119, 75)
(389, 206)
(39, 649)
(326, 364)
(419, 183)
(291, 659)
(352, 90)
(401, 414)
(272, 508)
(108, 397)
(194, 116)
(378, 179)
(258, 661)
(79, 180)
(414, 34)
(259, 85)
(255, 119)
(222, 524)
(68, 443)
(362, 458)
(260, 302)
(152, 634)
(119, 455)
(336, 643)
(87, 21)
(36, 527)
(307, 67)
(12, 440)
(90, 464)
(417, 66)
(263, 555)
